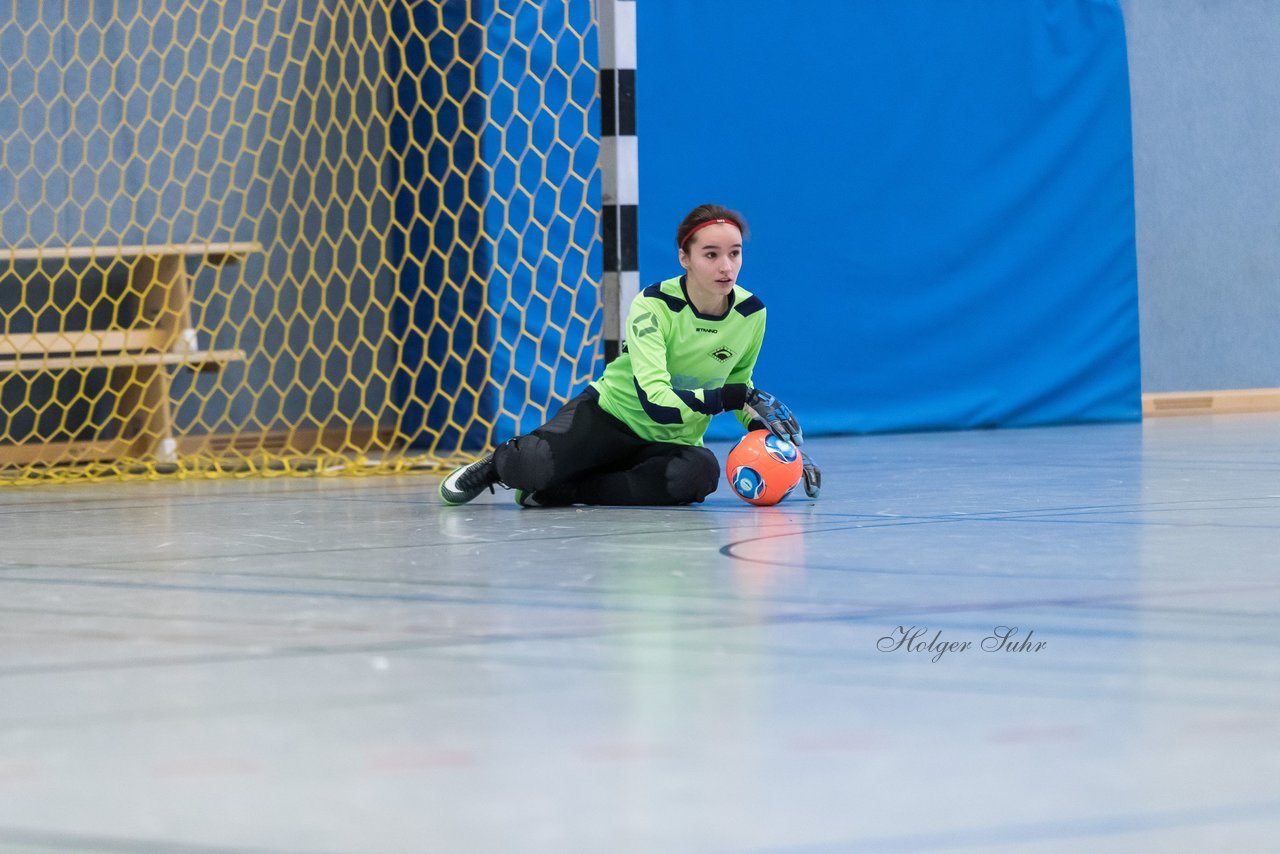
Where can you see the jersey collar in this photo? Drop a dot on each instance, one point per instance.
(684, 289)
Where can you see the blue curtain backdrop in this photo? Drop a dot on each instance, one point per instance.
(941, 195)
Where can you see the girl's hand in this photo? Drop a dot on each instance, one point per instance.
(812, 477)
(776, 416)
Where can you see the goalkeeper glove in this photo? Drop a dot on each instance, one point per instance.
(775, 414)
(812, 477)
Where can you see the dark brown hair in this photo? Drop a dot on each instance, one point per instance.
(707, 213)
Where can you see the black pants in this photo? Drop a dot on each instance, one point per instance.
(586, 456)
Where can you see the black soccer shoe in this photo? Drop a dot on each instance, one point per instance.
(561, 496)
(465, 483)
(526, 498)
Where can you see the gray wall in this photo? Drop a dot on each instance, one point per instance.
(120, 124)
(1206, 125)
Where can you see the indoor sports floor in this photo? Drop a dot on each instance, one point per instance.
(343, 665)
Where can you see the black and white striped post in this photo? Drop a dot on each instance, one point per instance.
(619, 166)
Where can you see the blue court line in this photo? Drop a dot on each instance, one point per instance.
(350, 596)
(713, 623)
(1133, 523)
(883, 521)
(1129, 506)
(879, 612)
(314, 650)
(472, 600)
(1009, 604)
(1216, 613)
(728, 549)
(596, 589)
(1041, 832)
(510, 541)
(1099, 632)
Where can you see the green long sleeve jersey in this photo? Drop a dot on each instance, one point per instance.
(666, 383)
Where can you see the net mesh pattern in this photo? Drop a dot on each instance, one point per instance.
(341, 236)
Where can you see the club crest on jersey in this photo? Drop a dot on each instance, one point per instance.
(722, 354)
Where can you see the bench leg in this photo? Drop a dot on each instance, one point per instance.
(143, 409)
(165, 300)
(165, 303)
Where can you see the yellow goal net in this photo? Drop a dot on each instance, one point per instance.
(255, 236)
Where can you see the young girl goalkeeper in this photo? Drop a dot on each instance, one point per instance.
(634, 436)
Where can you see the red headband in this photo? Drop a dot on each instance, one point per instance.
(691, 232)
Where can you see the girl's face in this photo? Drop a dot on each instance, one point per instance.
(712, 264)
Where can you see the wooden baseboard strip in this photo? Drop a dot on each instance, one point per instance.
(1222, 402)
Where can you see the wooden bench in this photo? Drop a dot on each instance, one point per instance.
(137, 350)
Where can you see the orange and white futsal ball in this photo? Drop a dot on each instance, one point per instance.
(763, 469)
